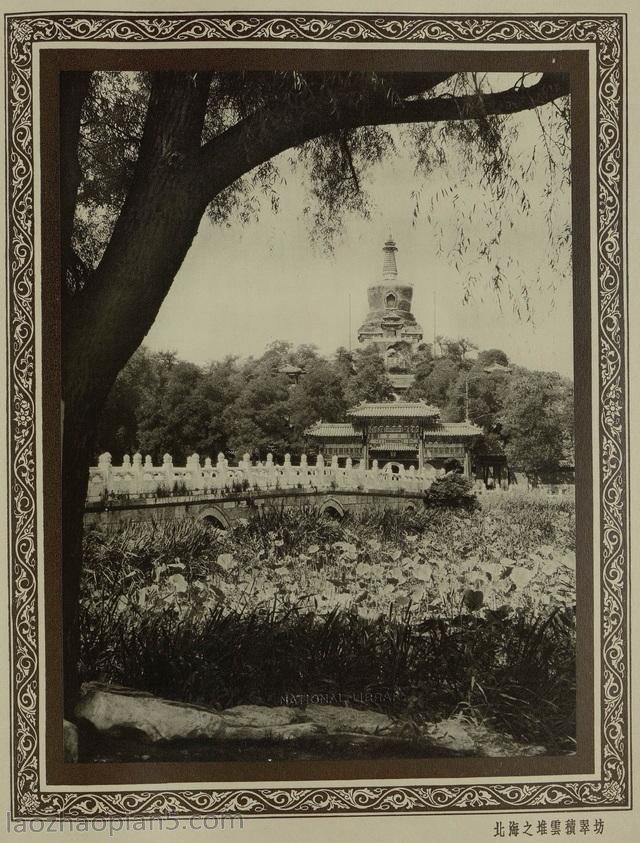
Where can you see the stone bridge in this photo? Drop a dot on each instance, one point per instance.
(220, 493)
(224, 511)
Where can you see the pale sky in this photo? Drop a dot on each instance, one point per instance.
(242, 287)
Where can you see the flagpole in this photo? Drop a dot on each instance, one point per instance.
(434, 323)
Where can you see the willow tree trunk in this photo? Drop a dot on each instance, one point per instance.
(77, 448)
(108, 317)
(108, 328)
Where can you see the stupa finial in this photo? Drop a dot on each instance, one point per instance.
(389, 267)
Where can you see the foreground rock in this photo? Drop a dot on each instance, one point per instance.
(262, 723)
(261, 715)
(461, 735)
(338, 719)
(124, 713)
(70, 742)
(120, 712)
(291, 732)
(147, 717)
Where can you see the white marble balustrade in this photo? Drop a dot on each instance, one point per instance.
(137, 478)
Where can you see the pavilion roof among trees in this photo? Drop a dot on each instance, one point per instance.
(394, 409)
(405, 410)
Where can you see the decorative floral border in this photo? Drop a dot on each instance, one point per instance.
(611, 788)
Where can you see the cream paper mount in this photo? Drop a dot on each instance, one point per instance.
(610, 786)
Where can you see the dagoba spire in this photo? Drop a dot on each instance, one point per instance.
(389, 268)
(390, 324)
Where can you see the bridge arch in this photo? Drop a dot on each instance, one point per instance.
(410, 507)
(215, 517)
(332, 509)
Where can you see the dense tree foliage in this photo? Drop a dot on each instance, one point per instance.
(537, 421)
(161, 404)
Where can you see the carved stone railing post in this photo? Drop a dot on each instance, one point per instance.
(247, 471)
(332, 473)
(221, 472)
(104, 466)
(288, 476)
(137, 472)
(194, 473)
(150, 480)
(207, 475)
(302, 477)
(168, 473)
(270, 474)
(319, 472)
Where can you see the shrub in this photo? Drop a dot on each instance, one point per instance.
(451, 490)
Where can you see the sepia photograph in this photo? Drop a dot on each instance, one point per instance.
(318, 457)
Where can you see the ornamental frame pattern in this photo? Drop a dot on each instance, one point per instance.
(611, 787)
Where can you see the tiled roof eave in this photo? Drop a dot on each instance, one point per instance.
(447, 434)
(351, 437)
(399, 415)
(393, 446)
(333, 430)
(393, 409)
(456, 429)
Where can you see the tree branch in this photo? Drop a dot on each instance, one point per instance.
(266, 133)
(471, 106)
(411, 84)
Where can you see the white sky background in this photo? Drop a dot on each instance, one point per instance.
(242, 287)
